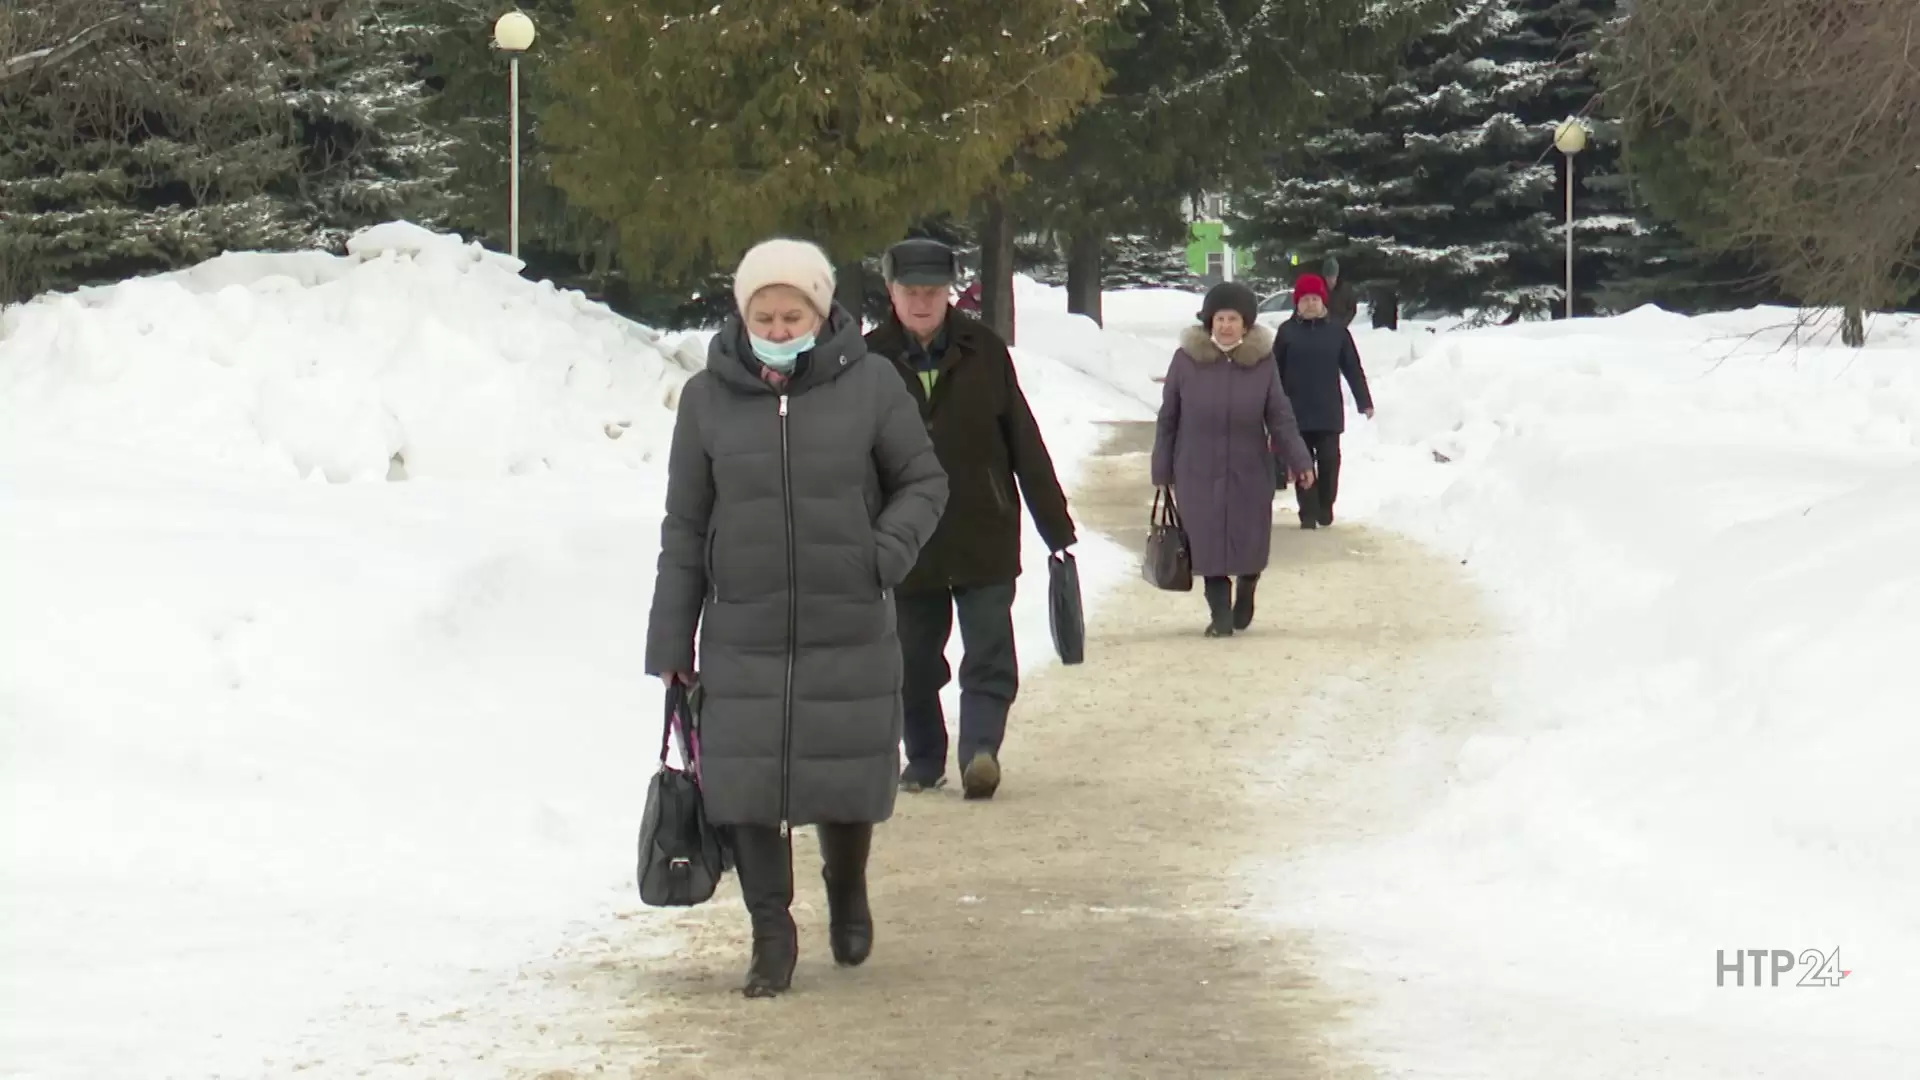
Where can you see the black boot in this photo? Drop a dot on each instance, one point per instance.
(764, 859)
(1243, 601)
(1220, 606)
(843, 863)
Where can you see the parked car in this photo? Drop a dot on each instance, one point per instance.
(1275, 309)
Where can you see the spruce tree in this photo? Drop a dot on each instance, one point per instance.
(1201, 92)
(154, 136)
(368, 151)
(1450, 193)
(701, 128)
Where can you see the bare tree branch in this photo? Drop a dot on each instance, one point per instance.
(19, 67)
(1802, 118)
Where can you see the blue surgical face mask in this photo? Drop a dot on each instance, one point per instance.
(780, 355)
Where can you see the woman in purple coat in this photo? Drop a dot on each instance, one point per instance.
(1222, 415)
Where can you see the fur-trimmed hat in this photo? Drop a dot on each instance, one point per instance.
(793, 263)
(1229, 296)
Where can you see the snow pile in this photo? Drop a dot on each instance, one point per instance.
(1704, 540)
(1082, 372)
(416, 356)
(1142, 330)
(283, 755)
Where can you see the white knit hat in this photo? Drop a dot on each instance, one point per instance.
(794, 263)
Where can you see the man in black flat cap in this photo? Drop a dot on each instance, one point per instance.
(962, 376)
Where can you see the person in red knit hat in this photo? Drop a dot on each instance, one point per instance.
(1314, 352)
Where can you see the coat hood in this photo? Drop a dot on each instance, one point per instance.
(1255, 347)
(838, 345)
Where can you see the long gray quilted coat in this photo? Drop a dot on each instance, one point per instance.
(1222, 418)
(783, 537)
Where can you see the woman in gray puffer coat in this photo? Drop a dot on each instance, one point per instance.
(1223, 416)
(800, 488)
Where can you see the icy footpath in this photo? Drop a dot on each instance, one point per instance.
(1703, 540)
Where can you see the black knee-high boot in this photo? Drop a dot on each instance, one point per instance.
(1220, 606)
(843, 863)
(1243, 601)
(764, 860)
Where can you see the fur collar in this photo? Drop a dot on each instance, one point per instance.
(1255, 347)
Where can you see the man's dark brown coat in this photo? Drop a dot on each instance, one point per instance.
(986, 438)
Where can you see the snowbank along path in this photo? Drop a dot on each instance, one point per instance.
(1091, 920)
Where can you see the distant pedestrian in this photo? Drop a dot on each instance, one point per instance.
(801, 487)
(1222, 417)
(962, 376)
(1343, 303)
(1314, 353)
(970, 298)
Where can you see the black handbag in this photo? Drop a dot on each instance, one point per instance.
(682, 855)
(1168, 562)
(1064, 609)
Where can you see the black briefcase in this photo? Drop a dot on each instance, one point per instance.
(1064, 608)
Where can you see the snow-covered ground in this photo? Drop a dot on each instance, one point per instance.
(1705, 543)
(297, 759)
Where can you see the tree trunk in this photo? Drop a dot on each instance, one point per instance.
(996, 269)
(1853, 327)
(1386, 309)
(850, 288)
(1083, 274)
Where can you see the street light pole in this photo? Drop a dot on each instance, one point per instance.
(513, 152)
(1570, 138)
(513, 35)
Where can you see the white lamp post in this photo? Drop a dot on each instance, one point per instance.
(513, 35)
(1570, 138)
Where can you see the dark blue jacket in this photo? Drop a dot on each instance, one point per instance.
(1313, 354)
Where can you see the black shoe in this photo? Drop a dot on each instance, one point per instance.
(981, 778)
(1308, 523)
(843, 857)
(764, 860)
(1243, 602)
(1219, 630)
(1326, 517)
(914, 782)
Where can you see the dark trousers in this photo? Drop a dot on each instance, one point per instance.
(989, 672)
(1316, 502)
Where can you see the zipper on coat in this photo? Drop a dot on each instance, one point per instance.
(793, 626)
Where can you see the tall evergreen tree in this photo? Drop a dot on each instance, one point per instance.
(145, 137)
(1450, 194)
(368, 149)
(1201, 92)
(700, 128)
